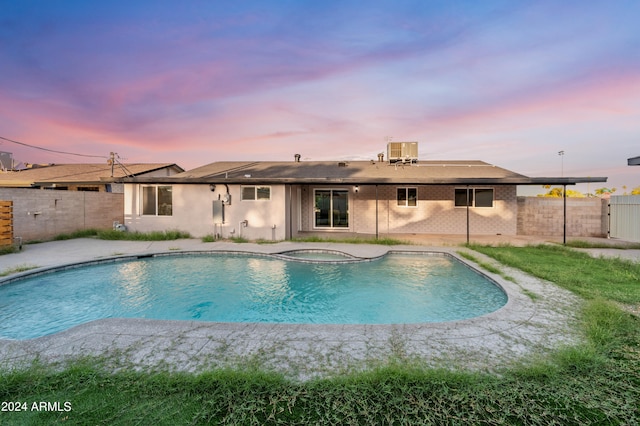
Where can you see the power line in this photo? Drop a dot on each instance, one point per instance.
(52, 150)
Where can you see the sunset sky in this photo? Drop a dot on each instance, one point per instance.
(192, 82)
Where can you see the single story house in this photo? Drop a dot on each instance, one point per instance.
(96, 177)
(281, 200)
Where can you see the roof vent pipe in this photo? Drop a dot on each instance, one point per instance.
(297, 158)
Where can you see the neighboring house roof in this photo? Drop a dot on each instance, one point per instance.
(81, 173)
(359, 172)
(633, 161)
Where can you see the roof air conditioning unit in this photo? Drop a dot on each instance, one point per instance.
(404, 152)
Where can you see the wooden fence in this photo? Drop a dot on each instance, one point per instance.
(6, 223)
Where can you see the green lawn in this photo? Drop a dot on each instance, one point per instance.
(611, 279)
(597, 382)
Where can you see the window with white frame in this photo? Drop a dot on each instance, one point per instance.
(256, 193)
(476, 197)
(157, 200)
(407, 197)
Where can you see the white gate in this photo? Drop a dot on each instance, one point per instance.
(624, 217)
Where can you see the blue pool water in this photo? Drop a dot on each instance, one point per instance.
(244, 288)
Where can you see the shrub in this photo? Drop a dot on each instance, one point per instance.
(143, 236)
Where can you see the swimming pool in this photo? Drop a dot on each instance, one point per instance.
(397, 288)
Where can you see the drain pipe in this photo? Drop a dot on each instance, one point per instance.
(467, 214)
(377, 206)
(290, 211)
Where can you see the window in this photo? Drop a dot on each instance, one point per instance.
(157, 200)
(407, 197)
(331, 208)
(461, 197)
(256, 193)
(483, 197)
(478, 197)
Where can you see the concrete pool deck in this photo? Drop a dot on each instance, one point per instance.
(538, 318)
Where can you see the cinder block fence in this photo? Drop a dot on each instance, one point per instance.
(586, 217)
(42, 214)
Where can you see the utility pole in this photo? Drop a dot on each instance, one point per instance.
(112, 161)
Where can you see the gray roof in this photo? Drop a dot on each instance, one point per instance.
(472, 172)
(79, 173)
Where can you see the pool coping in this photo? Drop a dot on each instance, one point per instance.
(522, 328)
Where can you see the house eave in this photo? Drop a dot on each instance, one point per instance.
(366, 181)
(48, 183)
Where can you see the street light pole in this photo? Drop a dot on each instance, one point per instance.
(561, 154)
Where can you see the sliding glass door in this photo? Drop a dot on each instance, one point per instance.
(331, 208)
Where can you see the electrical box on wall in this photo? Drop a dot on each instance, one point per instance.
(226, 198)
(218, 211)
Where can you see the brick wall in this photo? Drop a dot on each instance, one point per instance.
(434, 214)
(41, 214)
(586, 217)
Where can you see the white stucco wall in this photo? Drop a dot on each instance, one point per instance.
(193, 212)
